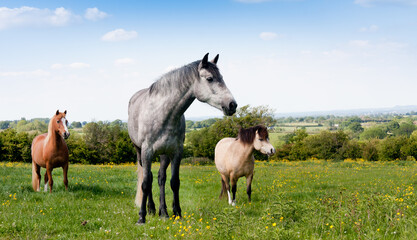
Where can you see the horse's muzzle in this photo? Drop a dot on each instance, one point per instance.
(231, 109)
(66, 135)
(272, 152)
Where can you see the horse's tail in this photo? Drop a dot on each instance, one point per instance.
(139, 193)
(35, 177)
(223, 192)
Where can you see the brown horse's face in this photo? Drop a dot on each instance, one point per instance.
(60, 124)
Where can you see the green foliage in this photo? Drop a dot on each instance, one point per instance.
(409, 149)
(107, 142)
(100, 143)
(376, 132)
(190, 125)
(15, 146)
(405, 129)
(370, 150)
(390, 148)
(4, 124)
(76, 124)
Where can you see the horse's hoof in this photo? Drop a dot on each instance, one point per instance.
(163, 213)
(151, 211)
(233, 204)
(141, 221)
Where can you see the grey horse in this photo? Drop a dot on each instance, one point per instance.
(156, 125)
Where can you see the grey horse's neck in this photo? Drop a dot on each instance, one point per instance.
(175, 89)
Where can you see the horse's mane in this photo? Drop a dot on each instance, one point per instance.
(177, 78)
(181, 77)
(247, 135)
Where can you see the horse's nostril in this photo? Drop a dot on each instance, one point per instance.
(232, 105)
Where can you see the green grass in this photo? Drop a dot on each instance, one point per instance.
(296, 200)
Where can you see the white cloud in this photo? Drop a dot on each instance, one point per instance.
(94, 14)
(124, 62)
(359, 43)
(79, 65)
(336, 53)
(30, 16)
(35, 73)
(368, 3)
(75, 65)
(267, 36)
(119, 35)
(372, 28)
(57, 66)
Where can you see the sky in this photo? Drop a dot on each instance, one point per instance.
(90, 57)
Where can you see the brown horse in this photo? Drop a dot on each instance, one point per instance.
(50, 151)
(234, 158)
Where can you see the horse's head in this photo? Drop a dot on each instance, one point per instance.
(261, 141)
(210, 87)
(60, 124)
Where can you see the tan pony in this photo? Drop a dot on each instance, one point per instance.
(234, 158)
(50, 151)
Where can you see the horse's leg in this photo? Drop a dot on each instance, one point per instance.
(249, 186)
(175, 183)
(46, 181)
(233, 182)
(151, 203)
(49, 172)
(139, 192)
(225, 180)
(223, 188)
(162, 177)
(65, 170)
(36, 176)
(146, 159)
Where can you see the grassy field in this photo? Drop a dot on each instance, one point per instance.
(296, 200)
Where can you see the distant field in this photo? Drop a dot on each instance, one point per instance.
(296, 200)
(281, 130)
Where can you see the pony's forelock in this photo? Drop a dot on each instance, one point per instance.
(247, 135)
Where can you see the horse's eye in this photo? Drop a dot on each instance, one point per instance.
(210, 79)
(260, 139)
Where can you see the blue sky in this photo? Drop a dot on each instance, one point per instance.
(89, 57)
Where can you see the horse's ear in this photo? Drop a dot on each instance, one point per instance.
(204, 62)
(65, 112)
(215, 59)
(57, 112)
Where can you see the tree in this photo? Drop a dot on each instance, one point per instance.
(390, 148)
(76, 124)
(376, 132)
(370, 150)
(405, 129)
(355, 127)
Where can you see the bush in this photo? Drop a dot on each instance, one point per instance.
(377, 132)
(409, 149)
(15, 146)
(199, 161)
(370, 150)
(390, 148)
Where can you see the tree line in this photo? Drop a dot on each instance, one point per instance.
(98, 143)
(108, 142)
